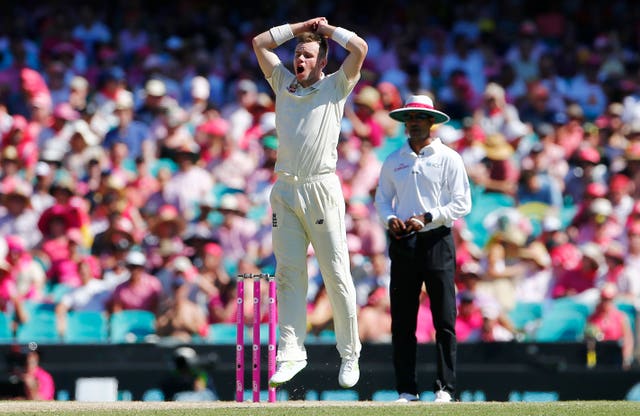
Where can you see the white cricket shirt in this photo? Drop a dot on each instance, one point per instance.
(308, 121)
(434, 181)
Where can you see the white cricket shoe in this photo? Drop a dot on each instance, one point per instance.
(443, 396)
(407, 397)
(349, 373)
(285, 372)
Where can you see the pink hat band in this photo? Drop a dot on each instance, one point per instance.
(420, 105)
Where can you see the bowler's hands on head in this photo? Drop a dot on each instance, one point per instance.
(314, 24)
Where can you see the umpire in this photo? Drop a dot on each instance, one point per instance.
(423, 189)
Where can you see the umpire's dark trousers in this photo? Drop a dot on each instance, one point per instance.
(427, 257)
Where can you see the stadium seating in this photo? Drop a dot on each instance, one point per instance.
(6, 334)
(524, 314)
(561, 325)
(222, 334)
(131, 325)
(86, 327)
(40, 325)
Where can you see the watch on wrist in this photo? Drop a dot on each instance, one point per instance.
(428, 217)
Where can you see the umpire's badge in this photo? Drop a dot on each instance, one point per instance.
(274, 220)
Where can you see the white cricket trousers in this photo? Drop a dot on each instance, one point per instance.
(311, 210)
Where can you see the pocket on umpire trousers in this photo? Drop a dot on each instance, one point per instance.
(402, 247)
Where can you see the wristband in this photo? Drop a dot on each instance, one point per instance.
(281, 34)
(417, 221)
(428, 217)
(341, 36)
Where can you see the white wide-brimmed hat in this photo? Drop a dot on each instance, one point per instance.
(421, 104)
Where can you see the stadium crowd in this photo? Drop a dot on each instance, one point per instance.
(138, 148)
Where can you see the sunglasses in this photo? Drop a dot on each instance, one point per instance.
(417, 116)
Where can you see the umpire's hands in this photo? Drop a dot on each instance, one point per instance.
(398, 228)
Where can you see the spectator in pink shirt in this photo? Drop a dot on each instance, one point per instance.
(608, 323)
(469, 320)
(28, 274)
(10, 299)
(142, 290)
(190, 184)
(38, 383)
(585, 275)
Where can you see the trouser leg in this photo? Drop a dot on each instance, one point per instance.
(290, 245)
(404, 292)
(325, 216)
(439, 282)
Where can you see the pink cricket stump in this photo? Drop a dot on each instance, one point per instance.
(256, 338)
(271, 361)
(240, 340)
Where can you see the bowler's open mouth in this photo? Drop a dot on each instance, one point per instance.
(299, 69)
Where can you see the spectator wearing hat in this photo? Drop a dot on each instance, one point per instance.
(535, 283)
(240, 112)
(600, 227)
(499, 173)
(494, 113)
(570, 130)
(17, 217)
(620, 194)
(211, 137)
(390, 99)
(586, 275)
(133, 132)
(584, 168)
(140, 291)
(469, 318)
(608, 323)
(117, 238)
(236, 233)
(458, 97)
(28, 274)
(361, 116)
(190, 184)
(504, 261)
(18, 145)
(231, 165)
(614, 257)
(180, 318)
(110, 82)
(216, 284)
(197, 99)
(57, 134)
(84, 146)
(170, 132)
(164, 233)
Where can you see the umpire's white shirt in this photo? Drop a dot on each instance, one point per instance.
(433, 181)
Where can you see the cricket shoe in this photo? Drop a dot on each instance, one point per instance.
(349, 373)
(285, 372)
(407, 397)
(443, 396)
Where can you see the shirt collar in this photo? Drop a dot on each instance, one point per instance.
(428, 150)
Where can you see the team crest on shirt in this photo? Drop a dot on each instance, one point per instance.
(293, 87)
(401, 166)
